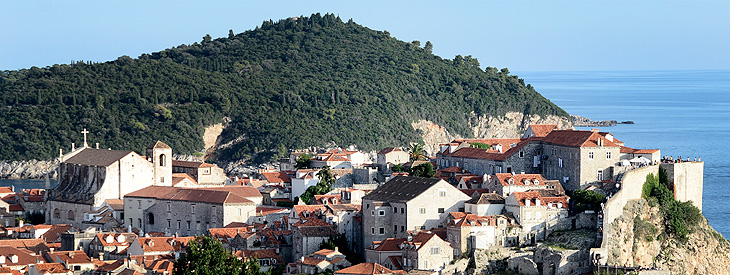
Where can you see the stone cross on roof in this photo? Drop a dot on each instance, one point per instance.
(85, 132)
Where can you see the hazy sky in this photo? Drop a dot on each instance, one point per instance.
(523, 36)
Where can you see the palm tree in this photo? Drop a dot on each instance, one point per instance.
(416, 152)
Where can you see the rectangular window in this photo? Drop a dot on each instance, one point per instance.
(608, 155)
(192, 208)
(560, 162)
(395, 210)
(441, 210)
(239, 212)
(402, 210)
(372, 230)
(435, 250)
(422, 210)
(395, 228)
(178, 224)
(522, 154)
(402, 228)
(442, 193)
(381, 212)
(168, 207)
(538, 215)
(381, 230)
(139, 204)
(372, 212)
(168, 223)
(590, 155)
(600, 174)
(188, 225)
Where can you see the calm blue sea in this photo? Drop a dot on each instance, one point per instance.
(683, 113)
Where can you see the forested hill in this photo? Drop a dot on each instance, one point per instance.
(294, 83)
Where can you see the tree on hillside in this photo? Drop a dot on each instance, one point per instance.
(424, 170)
(417, 152)
(303, 161)
(429, 47)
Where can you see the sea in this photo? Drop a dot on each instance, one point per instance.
(683, 113)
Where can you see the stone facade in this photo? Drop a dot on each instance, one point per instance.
(423, 204)
(686, 180)
(426, 251)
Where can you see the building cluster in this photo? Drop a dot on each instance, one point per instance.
(118, 212)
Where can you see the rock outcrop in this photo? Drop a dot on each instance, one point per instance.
(640, 239)
(28, 169)
(512, 125)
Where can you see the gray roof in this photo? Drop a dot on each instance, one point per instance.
(316, 231)
(487, 198)
(97, 157)
(401, 189)
(159, 145)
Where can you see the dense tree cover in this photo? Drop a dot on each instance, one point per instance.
(207, 256)
(582, 200)
(423, 170)
(679, 217)
(299, 82)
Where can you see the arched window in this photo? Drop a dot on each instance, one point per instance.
(56, 213)
(71, 216)
(150, 218)
(162, 159)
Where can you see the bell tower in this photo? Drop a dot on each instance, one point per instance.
(160, 154)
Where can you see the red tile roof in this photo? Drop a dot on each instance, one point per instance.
(542, 130)
(187, 164)
(365, 268)
(311, 209)
(164, 244)
(209, 195)
(52, 268)
(388, 150)
(127, 238)
(179, 177)
(71, 257)
(310, 261)
(277, 177)
(54, 234)
(519, 179)
(507, 150)
(577, 138)
(389, 244)
(260, 254)
(241, 191)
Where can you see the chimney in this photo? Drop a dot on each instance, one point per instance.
(71, 254)
(101, 256)
(97, 145)
(20, 223)
(337, 249)
(52, 249)
(595, 130)
(73, 146)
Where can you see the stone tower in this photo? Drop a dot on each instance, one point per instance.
(160, 154)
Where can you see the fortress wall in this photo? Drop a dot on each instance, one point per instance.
(686, 180)
(631, 186)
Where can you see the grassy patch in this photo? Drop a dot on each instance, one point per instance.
(644, 230)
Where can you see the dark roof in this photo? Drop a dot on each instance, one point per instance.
(487, 198)
(401, 188)
(316, 231)
(159, 145)
(186, 164)
(97, 157)
(388, 150)
(188, 194)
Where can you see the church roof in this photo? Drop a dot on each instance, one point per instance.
(401, 189)
(159, 145)
(97, 157)
(189, 194)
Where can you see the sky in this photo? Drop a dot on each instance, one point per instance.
(524, 36)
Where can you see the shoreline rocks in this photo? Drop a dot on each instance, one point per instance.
(579, 121)
(28, 169)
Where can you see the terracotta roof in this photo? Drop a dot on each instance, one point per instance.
(388, 150)
(25, 257)
(401, 189)
(6, 189)
(261, 254)
(264, 210)
(454, 169)
(34, 245)
(324, 252)
(470, 192)
(311, 209)
(470, 178)
(159, 145)
(311, 222)
(465, 219)
(542, 130)
(532, 196)
(97, 157)
(241, 191)
(161, 266)
(519, 179)
(208, 195)
(365, 268)
(164, 244)
(625, 150)
(107, 266)
(223, 234)
(55, 232)
(52, 268)
(128, 271)
(310, 261)
(577, 138)
(15, 207)
(71, 257)
(507, 149)
(115, 239)
(389, 244)
(277, 177)
(179, 177)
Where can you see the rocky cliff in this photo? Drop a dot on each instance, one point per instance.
(640, 239)
(28, 169)
(512, 125)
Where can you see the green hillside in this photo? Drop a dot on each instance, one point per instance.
(294, 83)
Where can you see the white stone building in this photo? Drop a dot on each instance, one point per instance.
(408, 203)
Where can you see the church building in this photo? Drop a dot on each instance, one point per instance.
(88, 177)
